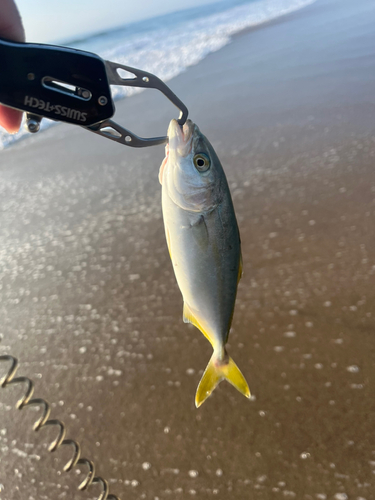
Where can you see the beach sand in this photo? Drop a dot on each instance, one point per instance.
(90, 306)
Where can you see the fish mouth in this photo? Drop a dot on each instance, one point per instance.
(180, 138)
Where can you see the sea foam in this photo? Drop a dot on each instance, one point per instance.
(169, 44)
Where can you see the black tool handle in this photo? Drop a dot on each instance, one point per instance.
(63, 84)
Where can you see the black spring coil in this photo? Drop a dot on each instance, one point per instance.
(45, 420)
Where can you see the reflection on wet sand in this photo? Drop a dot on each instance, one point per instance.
(91, 308)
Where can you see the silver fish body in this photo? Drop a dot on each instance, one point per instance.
(204, 245)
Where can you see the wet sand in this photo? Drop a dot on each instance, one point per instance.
(90, 306)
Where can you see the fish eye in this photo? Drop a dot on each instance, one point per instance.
(202, 162)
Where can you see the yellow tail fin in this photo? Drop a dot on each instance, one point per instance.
(217, 371)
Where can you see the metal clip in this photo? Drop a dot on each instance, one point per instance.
(72, 86)
(143, 79)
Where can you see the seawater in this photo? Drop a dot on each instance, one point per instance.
(167, 45)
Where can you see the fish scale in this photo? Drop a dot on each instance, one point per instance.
(204, 245)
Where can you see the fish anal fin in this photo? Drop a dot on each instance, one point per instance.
(189, 317)
(217, 371)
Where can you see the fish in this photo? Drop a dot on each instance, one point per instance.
(204, 246)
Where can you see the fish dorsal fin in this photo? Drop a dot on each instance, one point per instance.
(189, 317)
(240, 269)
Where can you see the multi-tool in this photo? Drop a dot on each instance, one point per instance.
(72, 86)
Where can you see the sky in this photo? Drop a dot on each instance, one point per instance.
(52, 21)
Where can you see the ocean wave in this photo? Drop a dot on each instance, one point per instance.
(167, 46)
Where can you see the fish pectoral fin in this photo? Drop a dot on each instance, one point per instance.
(189, 317)
(199, 231)
(216, 371)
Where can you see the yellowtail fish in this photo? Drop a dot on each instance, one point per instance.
(204, 246)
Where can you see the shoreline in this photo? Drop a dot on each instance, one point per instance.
(91, 308)
(270, 22)
(240, 33)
